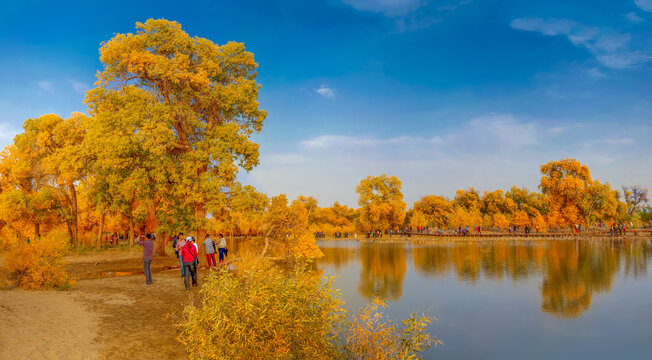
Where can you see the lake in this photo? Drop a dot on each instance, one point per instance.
(547, 299)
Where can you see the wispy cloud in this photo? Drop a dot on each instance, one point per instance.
(495, 131)
(326, 92)
(343, 141)
(78, 87)
(410, 15)
(645, 5)
(46, 86)
(557, 130)
(633, 17)
(611, 49)
(390, 8)
(285, 159)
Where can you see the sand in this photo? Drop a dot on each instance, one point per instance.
(112, 317)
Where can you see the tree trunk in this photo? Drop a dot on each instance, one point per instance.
(101, 231)
(266, 242)
(73, 210)
(69, 226)
(159, 245)
(200, 217)
(131, 229)
(37, 230)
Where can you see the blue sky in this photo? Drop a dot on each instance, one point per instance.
(444, 94)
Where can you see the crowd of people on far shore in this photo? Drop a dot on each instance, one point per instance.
(614, 229)
(186, 250)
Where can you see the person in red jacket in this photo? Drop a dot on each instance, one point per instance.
(189, 255)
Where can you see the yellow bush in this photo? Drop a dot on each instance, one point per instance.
(37, 265)
(265, 311)
(260, 311)
(370, 336)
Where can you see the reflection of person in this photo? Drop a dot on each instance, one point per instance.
(148, 250)
(189, 255)
(221, 246)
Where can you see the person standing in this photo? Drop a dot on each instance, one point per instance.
(221, 246)
(181, 242)
(194, 242)
(189, 256)
(209, 245)
(148, 250)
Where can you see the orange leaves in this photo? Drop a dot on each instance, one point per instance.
(38, 265)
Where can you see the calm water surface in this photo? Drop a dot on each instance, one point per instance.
(587, 299)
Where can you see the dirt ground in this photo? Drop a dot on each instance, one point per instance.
(109, 314)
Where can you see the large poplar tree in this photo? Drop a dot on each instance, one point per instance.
(187, 108)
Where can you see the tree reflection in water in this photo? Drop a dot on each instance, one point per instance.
(572, 271)
(383, 270)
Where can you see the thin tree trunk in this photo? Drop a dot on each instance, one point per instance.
(37, 230)
(159, 246)
(200, 216)
(73, 210)
(70, 235)
(131, 229)
(101, 231)
(266, 242)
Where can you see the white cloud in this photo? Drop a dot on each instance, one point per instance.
(596, 73)
(633, 17)
(284, 159)
(46, 86)
(617, 141)
(325, 92)
(342, 141)
(625, 60)
(7, 134)
(410, 15)
(645, 5)
(557, 130)
(495, 131)
(387, 7)
(492, 151)
(78, 87)
(610, 49)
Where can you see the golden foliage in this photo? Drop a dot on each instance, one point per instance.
(289, 226)
(37, 265)
(381, 202)
(371, 336)
(264, 311)
(259, 311)
(500, 221)
(435, 208)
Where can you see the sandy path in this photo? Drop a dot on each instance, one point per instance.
(107, 318)
(46, 325)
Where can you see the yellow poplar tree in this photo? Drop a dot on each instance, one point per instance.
(381, 202)
(52, 148)
(565, 182)
(288, 226)
(435, 208)
(195, 109)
